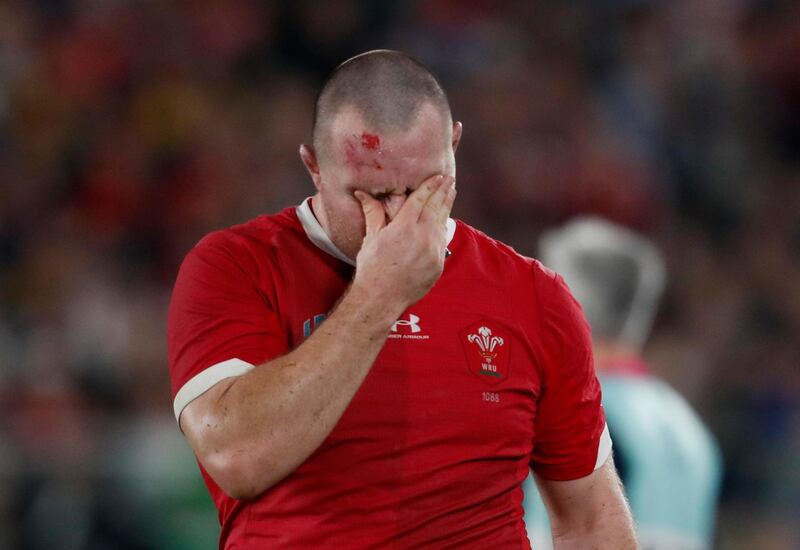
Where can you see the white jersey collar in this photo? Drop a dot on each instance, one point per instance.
(317, 235)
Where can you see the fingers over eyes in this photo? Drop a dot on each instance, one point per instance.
(415, 204)
(438, 207)
(374, 214)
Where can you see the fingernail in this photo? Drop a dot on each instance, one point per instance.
(359, 195)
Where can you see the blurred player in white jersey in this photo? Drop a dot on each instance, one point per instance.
(668, 460)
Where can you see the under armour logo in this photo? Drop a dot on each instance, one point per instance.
(412, 323)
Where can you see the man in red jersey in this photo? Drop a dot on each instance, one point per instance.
(447, 365)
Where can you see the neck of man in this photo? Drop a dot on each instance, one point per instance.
(319, 213)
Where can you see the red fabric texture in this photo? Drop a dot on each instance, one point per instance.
(434, 446)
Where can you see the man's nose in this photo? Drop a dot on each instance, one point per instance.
(393, 204)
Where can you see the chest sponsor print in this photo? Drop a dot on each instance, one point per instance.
(487, 349)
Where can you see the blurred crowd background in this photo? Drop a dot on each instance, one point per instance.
(130, 129)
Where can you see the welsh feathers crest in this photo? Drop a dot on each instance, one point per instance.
(486, 346)
(486, 342)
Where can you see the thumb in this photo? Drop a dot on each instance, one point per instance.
(374, 215)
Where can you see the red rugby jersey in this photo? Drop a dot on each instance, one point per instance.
(489, 374)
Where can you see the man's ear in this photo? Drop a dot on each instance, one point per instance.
(309, 158)
(457, 129)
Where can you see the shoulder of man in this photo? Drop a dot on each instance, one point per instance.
(489, 248)
(243, 254)
(265, 229)
(221, 318)
(553, 296)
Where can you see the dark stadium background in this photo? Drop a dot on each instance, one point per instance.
(129, 129)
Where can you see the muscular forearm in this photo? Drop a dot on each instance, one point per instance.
(257, 428)
(590, 512)
(613, 531)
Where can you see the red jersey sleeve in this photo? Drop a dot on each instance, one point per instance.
(570, 435)
(219, 323)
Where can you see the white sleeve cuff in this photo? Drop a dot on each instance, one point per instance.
(603, 448)
(207, 379)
